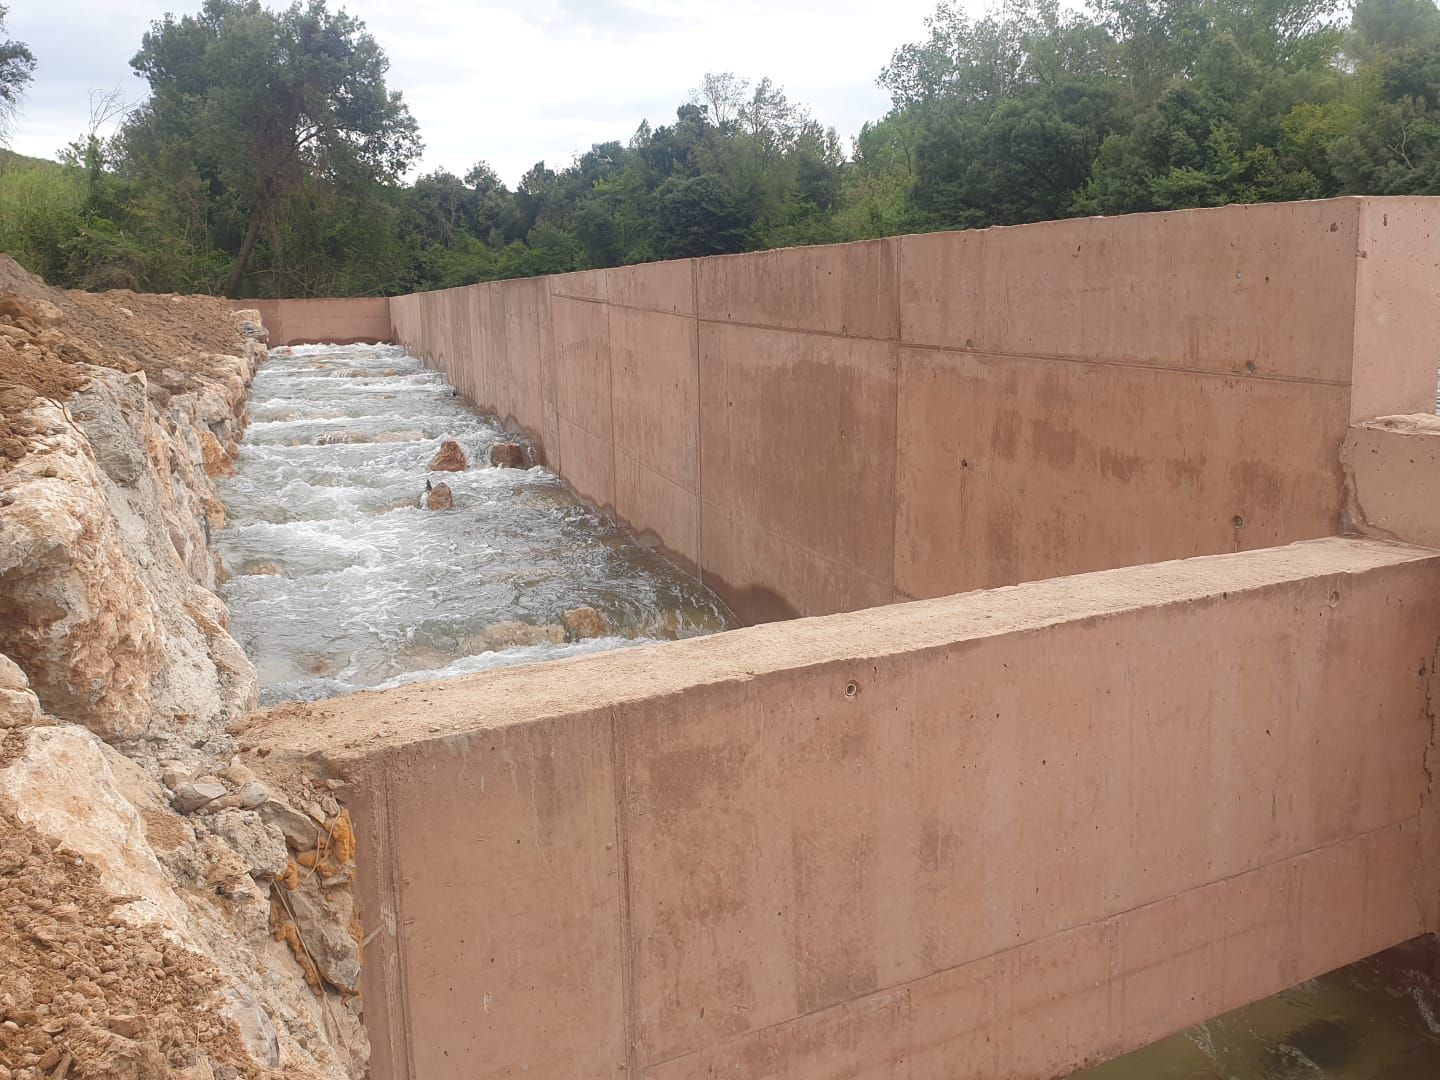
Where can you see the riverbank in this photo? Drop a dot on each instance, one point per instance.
(158, 915)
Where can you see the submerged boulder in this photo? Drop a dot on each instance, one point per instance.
(508, 455)
(582, 623)
(513, 635)
(439, 498)
(451, 458)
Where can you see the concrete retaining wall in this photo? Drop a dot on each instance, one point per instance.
(1002, 834)
(831, 428)
(312, 322)
(1392, 471)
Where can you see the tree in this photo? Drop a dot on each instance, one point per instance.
(698, 216)
(264, 102)
(1394, 148)
(1391, 24)
(17, 65)
(722, 95)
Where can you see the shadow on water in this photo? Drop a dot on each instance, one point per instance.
(340, 580)
(1374, 1020)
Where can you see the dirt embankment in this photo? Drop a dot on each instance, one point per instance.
(164, 912)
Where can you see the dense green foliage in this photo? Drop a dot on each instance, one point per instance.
(276, 131)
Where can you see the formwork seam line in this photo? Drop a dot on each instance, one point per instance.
(1142, 365)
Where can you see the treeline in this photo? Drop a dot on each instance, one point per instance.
(267, 158)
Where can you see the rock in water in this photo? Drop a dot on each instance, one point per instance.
(508, 455)
(450, 458)
(582, 623)
(440, 498)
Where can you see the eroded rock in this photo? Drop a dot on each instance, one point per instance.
(299, 830)
(439, 497)
(192, 796)
(508, 455)
(583, 623)
(261, 847)
(19, 707)
(513, 635)
(451, 458)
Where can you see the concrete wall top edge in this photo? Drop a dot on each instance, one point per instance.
(589, 284)
(358, 726)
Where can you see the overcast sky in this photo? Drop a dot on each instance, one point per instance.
(515, 81)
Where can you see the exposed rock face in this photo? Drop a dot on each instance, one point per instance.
(19, 707)
(439, 498)
(137, 936)
(162, 976)
(451, 458)
(105, 568)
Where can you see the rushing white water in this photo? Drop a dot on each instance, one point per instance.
(340, 580)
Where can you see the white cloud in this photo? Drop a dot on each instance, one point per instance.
(511, 81)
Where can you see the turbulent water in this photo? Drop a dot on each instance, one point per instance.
(1375, 1020)
(341, 581)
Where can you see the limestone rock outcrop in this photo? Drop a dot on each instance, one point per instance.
(19, 707)
(164, 928)
(137, 872)
(105, 564)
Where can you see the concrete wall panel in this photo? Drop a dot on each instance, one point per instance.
(581, 285)
(1397, 315)
(667, 286)
(583, 396)
(521, 880)
(523, 301)
(1392, 468)
(797, 438)
(821, 848)
(321, 321)
(862, 1040)
(582, 364)
(845, 289)
(1012, 468)
(1214, 290)
(655, 388)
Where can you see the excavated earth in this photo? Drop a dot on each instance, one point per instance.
(167, 909)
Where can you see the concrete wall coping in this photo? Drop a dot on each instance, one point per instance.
(357, 726)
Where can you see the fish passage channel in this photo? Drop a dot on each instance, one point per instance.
(340, 578)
